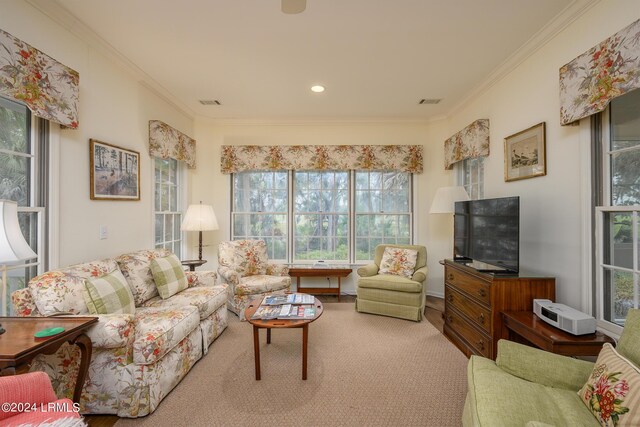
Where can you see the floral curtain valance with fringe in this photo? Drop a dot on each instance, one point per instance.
(48, 88)
(239, 158)
(166, 142)
(472, 141)
(604, 72)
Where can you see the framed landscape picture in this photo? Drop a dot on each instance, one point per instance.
(115, 172)
(525, 154)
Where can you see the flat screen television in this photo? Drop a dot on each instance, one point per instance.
(487, 234)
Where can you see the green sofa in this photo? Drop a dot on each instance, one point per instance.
(391, 295)
(530, 387)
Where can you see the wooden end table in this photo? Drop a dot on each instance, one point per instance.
(193, 263)
(526, 328)
(314, 271)
(279, 323)
(18, 346)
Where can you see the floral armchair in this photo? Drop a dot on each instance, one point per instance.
(244, 266)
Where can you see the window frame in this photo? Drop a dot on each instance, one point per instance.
(478, 184)
(351, 217)
(181, 191)
(603, 167)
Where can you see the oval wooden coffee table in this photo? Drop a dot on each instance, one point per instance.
(279, 323)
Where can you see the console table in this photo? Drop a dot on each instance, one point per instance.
(474, 301)
(299, 271)
(18, 346)
(526, 328)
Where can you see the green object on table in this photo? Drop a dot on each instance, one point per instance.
(48, 332)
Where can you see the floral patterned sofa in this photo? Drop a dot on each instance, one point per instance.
(137, 358)
(244, 265)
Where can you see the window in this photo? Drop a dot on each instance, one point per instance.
(260, 210)
(321, 216)
(308, 216)
(168, 205)
(24, 179)
(618, 226)
(471, 177)
(382, 211)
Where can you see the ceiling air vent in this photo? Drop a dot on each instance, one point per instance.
(210, 102)
(431, 101)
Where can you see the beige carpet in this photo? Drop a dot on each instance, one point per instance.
(363, 370)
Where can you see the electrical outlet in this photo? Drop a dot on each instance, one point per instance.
(104, 232)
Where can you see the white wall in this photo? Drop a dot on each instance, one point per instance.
(551, 206)
(211, 186)
(114, 108)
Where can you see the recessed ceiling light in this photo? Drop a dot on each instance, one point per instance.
(317, 88)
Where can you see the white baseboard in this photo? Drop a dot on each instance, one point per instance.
(435, 294)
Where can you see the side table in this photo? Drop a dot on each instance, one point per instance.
(298, 271)
(525, 327)
(18, 346)
(193, 263)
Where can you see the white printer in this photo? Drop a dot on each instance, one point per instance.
(564, 317)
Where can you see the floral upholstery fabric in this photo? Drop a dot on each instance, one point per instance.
(201, 278)
(277, 269)
(206, 298)
(238, 303)
(60, 291)
(158, 330)
(612, 392)
(167, 340)
(398, 261)
(246, 257)
(252, 285)
(136, 268)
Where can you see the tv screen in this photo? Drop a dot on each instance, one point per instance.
(488, 231)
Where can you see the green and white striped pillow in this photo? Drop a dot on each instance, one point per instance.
(168, 275)
(108, 294)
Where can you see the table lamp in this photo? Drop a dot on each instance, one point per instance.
(13, 246)
(445, 200)
(199, 218)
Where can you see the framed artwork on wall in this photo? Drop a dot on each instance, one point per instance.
(525, 154)
(115, 172)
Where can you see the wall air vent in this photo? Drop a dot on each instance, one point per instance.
(431, 101)
(209, 102)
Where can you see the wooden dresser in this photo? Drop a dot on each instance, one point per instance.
(474, 302)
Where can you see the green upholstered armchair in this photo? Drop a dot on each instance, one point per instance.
(392, 295)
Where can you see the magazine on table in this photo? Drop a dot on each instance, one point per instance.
(267, 312)
(291, 311)
(288, 299)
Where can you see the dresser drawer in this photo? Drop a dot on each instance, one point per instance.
(476, 313)
(472, 286)
(481, 343)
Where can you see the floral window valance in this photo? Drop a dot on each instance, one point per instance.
(604, 72)
(166, 142)
(472, 141)
(48, 88)
(238, 158)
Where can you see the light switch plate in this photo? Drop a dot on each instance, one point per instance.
(104, 232)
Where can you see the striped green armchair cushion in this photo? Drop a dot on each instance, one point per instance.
(168, 275)
(108, 294)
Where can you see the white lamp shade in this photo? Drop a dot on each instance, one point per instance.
(199, 218)
(13, 246)
(444, 201)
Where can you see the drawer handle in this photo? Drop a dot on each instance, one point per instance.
(482, 292)
(481, 318)
(449, 318)
(450, 276)
(450, 297)
(481, 344)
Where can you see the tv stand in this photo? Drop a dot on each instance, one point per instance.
(474, 301)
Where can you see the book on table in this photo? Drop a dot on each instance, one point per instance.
(288, 299)
(285, 311)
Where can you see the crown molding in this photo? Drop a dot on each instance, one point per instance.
(561, 21)
(61, 15)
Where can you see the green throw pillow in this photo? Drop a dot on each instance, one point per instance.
(168, 275)
(108, 294)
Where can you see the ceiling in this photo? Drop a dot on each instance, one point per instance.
(377, 58)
